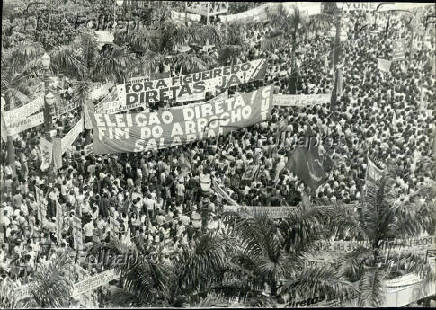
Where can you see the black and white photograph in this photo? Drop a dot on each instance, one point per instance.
(205, 154)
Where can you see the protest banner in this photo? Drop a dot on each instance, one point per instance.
(417, 245)
(407, 289)
(94, 282)
(184, 17)
(17, 126)
(46, 153)
(211, 9)
(384, 65)
(77, 233)
(257, 14)
(192, 97)
(260, 13)
(300, 100)
(21, 113)
(399, 51)
(408, 279)
(184, 86)
(359, 6)
(65, 106)
(249, 211)
(71, 136)
(113, 107)
(136, 132)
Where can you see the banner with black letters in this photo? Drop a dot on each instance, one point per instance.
(185, 87)
(136, 132)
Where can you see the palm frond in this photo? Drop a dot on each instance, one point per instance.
(319, 281)
(190, 63)
(404, 262)
(112, 64)
(371, 288)
(203, 263)
(351, 265)
(53, 282)
(145, 279)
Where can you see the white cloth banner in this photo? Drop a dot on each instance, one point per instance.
(182, 17)
(260, 13)
(15, 116)
(300, 100)
(46, 153)
(271, 212)
(23, 124)
(191, 97)
(71, 136)
(94, 282)
(183, 87)
(384, 65)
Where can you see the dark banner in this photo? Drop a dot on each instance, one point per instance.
(136, 132)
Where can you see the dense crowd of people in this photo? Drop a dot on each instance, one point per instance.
(164, 198)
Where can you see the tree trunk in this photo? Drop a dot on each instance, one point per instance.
(273, 286)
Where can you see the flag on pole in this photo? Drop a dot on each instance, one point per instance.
(309, 166)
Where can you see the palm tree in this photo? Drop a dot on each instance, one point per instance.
(19, 71)
(286, 27)
(272, 254)
(382, 218)
(53, 282)
(82, 60)
(191, 63)
(8, 296)
(189, 274)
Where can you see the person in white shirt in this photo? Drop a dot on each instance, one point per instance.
(150, 204)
